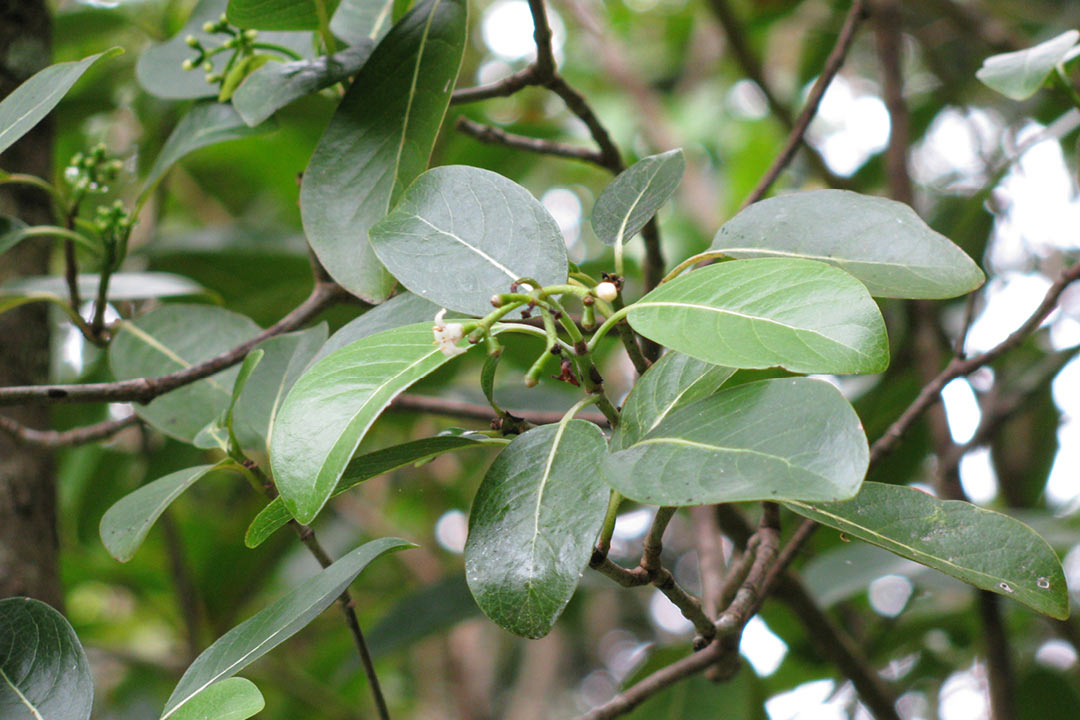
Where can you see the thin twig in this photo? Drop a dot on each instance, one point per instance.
(496, 136)
(144, 390)
(999, 666)
(66, 438)
(798, 131)
(501, 88)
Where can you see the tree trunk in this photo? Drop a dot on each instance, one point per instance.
(28, 538)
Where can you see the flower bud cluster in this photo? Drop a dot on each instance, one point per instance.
(92, 170)
(237, 40)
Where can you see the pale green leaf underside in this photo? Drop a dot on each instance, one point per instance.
(278, 14)
(379, 140)
(533, 523)
(983, 548)
(801, 315)
(233, 699)
(29, 103)
(461, 234)
(671, 382)
(276, 84)
(883, 243)
(124, 525)
(401, 310)
(766, 440)
(171, 338)
(1019, 75)
(44, 673)
(358, 20)
(361, 468)
(122, 286)
(261, 633)
(632, 198)
(334, 403)
(204, 124)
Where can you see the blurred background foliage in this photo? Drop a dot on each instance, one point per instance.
(660, 74)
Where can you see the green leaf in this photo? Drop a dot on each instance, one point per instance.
(379, 140)
(278, 14)
(171, 338)
(232, 699)
(204, 125)
(801, 315)
(122, 286)
(284, 359)
(401, 310)
(364, 467)
(767, 440)
(159, 69)
(29, 103)
(533, 523)
(632, 198)
(673, 381)
(276, 84)
(124, 525)
(460, 234)
(881, 242)
(11, 232)
(43, 668)
(1019, 75)
(261, 633)
(425, 611)
(358, 20)
(983, 548)
(332, 405)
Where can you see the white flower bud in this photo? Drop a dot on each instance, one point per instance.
(607, 291)
(448, 335)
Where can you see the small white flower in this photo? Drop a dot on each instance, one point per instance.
(448, 335)
(607, 291)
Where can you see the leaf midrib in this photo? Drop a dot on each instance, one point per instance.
(23, 698)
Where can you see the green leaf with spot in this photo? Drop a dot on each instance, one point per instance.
(883, 243)
(264, 631)
(1019, 75)
(379, 140)
(633, 198)
(28, 104)
(334, 403)
(673, 381)
(43, 668)
(172, 338)
(233, 699)
(801, 315)
(533, 523)
(788, 438)
(981, 547)
(461, 234)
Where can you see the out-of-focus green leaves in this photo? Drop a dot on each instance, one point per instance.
(1019, 75)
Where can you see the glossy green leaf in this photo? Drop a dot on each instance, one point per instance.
(159, 69)
(276, 84)
(801, 315)
(460, 234)
(364, 467)
(204, 124)
(983, 548)
(358, 20)
(29, 103)
(171, 338)
(632, 198)
(261, 633)
(122, 286)
(881, 242)
(43, 669)
(233, 699)
(332, 405)
(1019, 75)
(401, 310)
(284, 359)
(533, 523)
(10, 232)
(278, 14)
(767, 440)
(124, 525)
(379, 140)
(673, 381)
